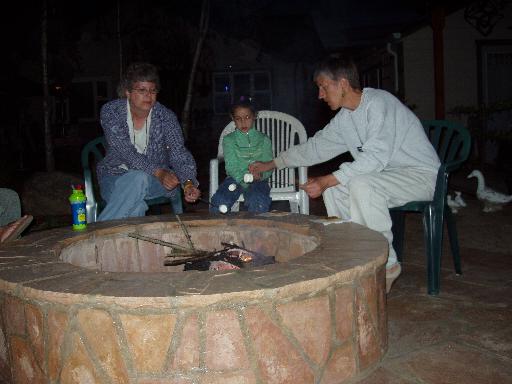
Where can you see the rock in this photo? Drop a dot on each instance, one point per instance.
(47, 193)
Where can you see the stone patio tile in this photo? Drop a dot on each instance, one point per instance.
(17, 261)
(25, 368)
(136, 285)
(496, 341)
(452, 363)
(382, 376)
(368, 337)
(177, 380)
(35, 332)
(341, 365)
(344, 298)
(485, 274)
(14, 316)
(186, 356)
(408, 336)
(78, 367)
(420, 308)
(368, 291)
(310, 323)
(225, 348)
(463, 290)
(148, 338)
(81, 282)
(488, 327)
(4, 357)
(98, 328)
(243, 377)
(278, 360)
(57, 326)
(32, 272)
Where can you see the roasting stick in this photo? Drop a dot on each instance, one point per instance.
(182, 251)
(222, 208)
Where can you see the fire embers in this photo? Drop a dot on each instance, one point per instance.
(230, 257)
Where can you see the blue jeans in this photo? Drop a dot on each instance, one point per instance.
(256, 196)
(125, 194)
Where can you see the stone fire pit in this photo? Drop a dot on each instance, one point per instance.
(100, 307)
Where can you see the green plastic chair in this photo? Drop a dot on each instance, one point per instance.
(95, 151)
(452, 142)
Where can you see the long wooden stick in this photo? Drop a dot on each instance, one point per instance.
(185, 231)
(179, 248)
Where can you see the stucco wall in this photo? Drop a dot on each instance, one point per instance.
(460, 56)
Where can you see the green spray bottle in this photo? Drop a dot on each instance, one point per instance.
(77, 200)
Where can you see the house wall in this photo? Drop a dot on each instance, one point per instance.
(293, 90)
(460, 61)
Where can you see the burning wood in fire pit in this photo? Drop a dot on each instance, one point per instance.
(232, 256)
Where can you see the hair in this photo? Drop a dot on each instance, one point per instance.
(337, 68)
(243, 102)
(136, 72)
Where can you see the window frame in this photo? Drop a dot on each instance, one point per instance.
(252, 92)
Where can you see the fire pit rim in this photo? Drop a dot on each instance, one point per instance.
(333, 267)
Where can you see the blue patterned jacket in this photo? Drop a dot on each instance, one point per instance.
(165, 148)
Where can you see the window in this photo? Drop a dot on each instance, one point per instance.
(231, 86)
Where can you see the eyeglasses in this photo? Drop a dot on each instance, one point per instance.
(239, 119)
(144, 91)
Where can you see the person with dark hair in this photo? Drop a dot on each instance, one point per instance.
(241, 147)
(393, 160)
(146, 157)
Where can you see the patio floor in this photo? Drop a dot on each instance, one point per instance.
(464, 335)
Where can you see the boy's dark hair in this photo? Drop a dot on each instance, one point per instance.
(138, 72)
(337, 68)
(243, 102)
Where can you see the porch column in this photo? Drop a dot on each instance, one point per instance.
(438, 18)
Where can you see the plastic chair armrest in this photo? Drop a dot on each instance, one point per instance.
(214, 176)
(303, 196)
(91, 206)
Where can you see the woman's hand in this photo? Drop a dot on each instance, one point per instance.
(191, 193)
(167, 178)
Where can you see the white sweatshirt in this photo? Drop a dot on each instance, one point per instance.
(381, 134)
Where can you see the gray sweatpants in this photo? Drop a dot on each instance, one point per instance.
(366, 199)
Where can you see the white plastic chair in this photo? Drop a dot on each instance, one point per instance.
(284, 132)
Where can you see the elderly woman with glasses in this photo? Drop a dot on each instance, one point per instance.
(146, 157)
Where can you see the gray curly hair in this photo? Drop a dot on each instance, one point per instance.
(138, 72)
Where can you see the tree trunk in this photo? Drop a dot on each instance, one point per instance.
(203, 29)
(48, 142)
(119, 39)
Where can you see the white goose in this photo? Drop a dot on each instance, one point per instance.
(455, 203)
(459, 200)
(492, 199)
